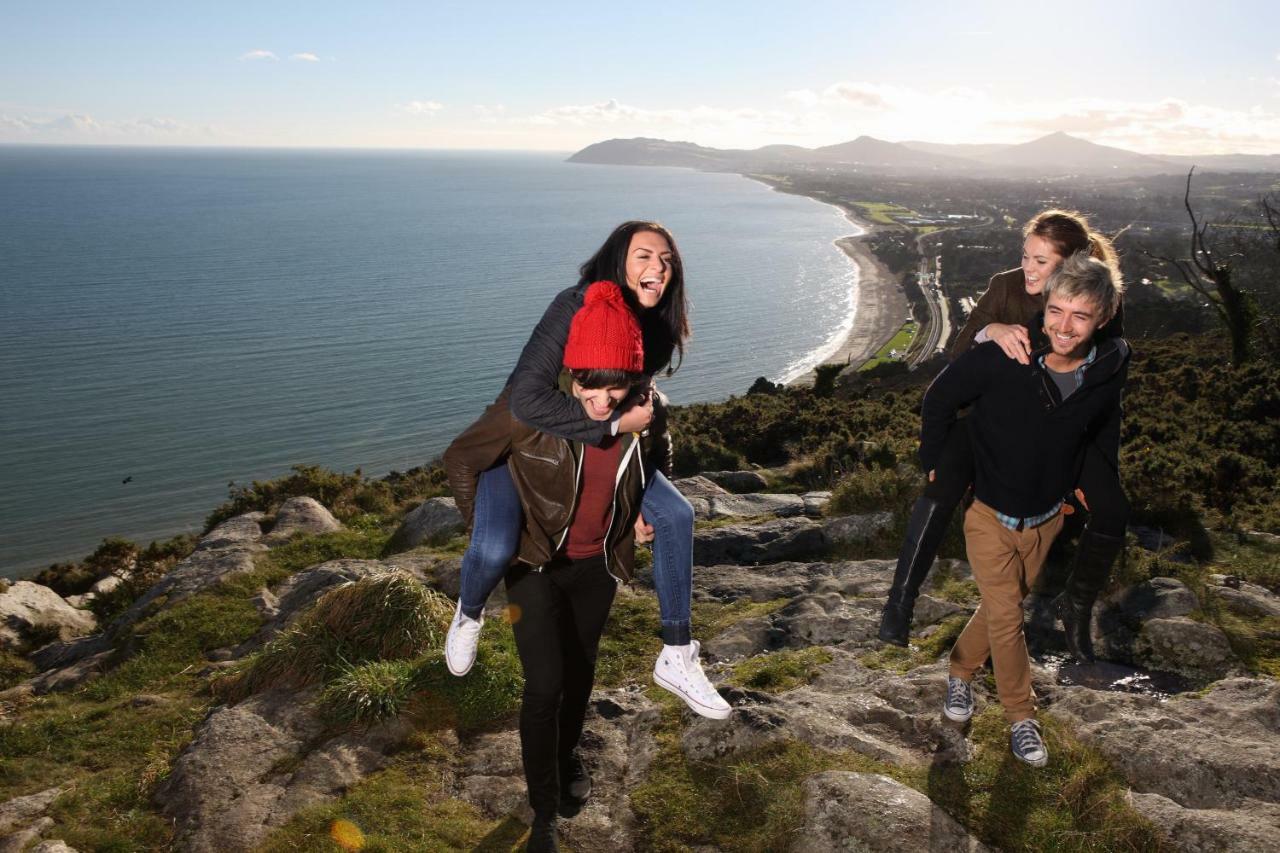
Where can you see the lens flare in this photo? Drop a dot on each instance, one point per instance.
(512, 614)
(346, 835)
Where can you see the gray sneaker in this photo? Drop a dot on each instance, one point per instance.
(1028, 746)
(959, 704)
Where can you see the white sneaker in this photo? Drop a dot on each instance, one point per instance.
(678, 670)
(461, 642)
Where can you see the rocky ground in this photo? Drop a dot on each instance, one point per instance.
(847, 736)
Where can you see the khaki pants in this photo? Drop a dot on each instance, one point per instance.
(1005, 564)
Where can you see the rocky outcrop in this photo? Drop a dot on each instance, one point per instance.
(755, 505)
(740, 482)
(32, 614)
(434, 521)
(1199, 651)
(770, 542)
(1254, 827)
(1220, 750)
(869, 812)
(254, 765)
(301, 515)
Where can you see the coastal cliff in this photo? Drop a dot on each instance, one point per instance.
(278, 683)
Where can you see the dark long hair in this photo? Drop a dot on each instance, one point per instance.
(666, 325)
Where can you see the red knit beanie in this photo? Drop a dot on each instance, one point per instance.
(604, 334)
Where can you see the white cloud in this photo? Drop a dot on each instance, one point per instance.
(77, 127)
(426, 108)
(305, 57)
(258, 54)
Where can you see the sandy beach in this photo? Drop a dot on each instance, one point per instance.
(881, 305)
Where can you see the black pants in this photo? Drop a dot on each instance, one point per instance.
(562, 613)
(1100, 482)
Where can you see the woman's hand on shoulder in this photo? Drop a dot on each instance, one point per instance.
(638, 413)
(1014, 340)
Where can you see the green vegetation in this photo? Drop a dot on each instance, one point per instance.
(777, 672)
(387, 617)
(885, 213)
(899, 342)
(345, 495)
(923, 652)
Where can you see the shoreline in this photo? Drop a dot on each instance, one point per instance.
(880, 306)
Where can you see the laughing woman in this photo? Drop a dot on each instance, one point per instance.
(641, 257)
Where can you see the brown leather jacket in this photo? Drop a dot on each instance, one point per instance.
(547, 471)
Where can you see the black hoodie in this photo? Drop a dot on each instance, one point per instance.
(1027, 441)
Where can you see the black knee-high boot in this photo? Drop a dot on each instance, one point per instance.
(1095, 554)
(925, 529)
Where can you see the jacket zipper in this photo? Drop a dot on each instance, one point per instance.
(613, 509)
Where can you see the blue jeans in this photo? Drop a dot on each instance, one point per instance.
(495, 536)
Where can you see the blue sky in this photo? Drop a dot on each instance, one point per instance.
(1169, 77)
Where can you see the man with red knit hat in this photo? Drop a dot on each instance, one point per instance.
(577, 543)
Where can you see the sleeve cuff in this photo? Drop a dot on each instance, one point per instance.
(982, 337)
(613, 427)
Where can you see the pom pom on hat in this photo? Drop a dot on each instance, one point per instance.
(604, 334)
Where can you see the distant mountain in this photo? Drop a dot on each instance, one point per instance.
(1055, 155)
(1060, 153)
(869, 151)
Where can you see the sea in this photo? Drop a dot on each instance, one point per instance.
(173, 321)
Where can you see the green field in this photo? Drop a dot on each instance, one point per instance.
(900, 342)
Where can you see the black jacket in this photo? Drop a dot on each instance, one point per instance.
(1028, 443)
(534, 384)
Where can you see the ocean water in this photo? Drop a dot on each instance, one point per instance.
(192, 318)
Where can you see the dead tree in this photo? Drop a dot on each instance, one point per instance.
(1209, 274)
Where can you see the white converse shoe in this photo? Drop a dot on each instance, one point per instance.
(460, 644)
(678, 670)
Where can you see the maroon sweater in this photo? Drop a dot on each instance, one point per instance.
(591, 518)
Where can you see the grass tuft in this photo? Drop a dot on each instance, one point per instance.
(922, 652)
(777, 672)
(390, 616)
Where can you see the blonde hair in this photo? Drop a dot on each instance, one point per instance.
(1083, 274)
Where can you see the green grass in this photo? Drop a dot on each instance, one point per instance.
(883, 212)
(922, 652)
(1077, 802)
(900, 342)
(777, 672)
(402, 808)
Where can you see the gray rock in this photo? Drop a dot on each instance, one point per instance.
(1262, 537)
(698, 487)
(930, 610)
(856, 529)
(701, 508)
(252, 766)
(56, 846)
(31, 613)
(815, 503)
(1158, 598)
(1214, 751)
(617, 747)
(73, 674)
(740, 482)
(240, 531)
(851, 578)
(23, 810)
(301, 515)
(18, 840)
(870, 812)
(434, 521)
(1184, 646)
(81, 601)
(1244, 598)
(1252, 827)
(770, 542)
(1152, 539)
(755, 505)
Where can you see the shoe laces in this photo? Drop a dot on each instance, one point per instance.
(1026, 737)
(958, 693)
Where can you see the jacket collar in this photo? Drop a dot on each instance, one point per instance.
(1109, 355)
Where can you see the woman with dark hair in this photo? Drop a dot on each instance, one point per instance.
(1006, 314)
(643, 259)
